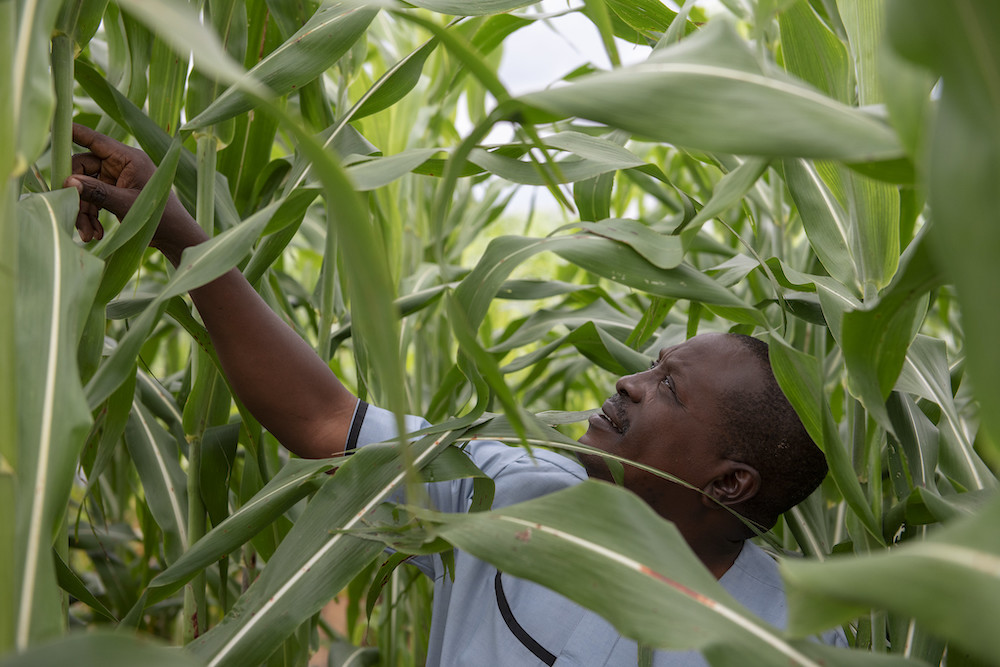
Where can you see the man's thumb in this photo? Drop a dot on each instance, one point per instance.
(101, 194)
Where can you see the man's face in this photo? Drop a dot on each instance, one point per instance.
(667, 417)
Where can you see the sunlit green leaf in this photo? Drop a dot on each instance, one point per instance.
(331, 31)
(30, 87)
(662, 251)
(472, 7)
(814, 53)
(714, 91)
(875, 339)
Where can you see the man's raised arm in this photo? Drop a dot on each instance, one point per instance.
(277, 375)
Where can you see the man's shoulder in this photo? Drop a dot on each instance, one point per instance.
(755, 566)
(498, 458)
(755, 582)
(372, 424)
(520, 474)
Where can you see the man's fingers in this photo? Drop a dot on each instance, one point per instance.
(100, 145)
(97, 175)
(102, 195)
(90, 228)
(88, 223)
(87, 164)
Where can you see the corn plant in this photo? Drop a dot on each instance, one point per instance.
(821, 173)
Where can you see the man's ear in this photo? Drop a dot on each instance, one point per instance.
(737, 483)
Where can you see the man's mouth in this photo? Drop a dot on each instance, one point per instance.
(613, 413)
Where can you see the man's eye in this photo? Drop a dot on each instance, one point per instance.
(652, 364)
(669, 381)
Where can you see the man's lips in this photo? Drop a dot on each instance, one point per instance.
(611, 412)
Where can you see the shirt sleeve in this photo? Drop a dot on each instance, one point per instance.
(371, 424)
(518, 474)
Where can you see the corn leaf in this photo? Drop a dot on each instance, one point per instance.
(917, 435)
(472, 7)
(714, 90)
(799, 376)
(100, 649)
(179, 25)
(875, 339)
(55, 289)
(657, 591)
(659, 250)
(317, 558)
(926, 375)
(327, 36)
(961, 46)
(593, 253)
(30, 86)
(156, 458)
(730, 190)
(8, 331)
(824, 219)
(945, 582)
(814, 53)
(292, 483)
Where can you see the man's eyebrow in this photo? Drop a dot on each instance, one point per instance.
(664, 351)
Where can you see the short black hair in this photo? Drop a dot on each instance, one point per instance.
(760, 428)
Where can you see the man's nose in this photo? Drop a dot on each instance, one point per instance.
(631, 386)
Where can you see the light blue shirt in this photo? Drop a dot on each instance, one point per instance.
(469, 624)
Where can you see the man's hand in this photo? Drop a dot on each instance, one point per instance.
(111, 176)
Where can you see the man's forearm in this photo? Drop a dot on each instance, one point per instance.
(277, 375)
(279, 378)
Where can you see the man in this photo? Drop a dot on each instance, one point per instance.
(707, 411)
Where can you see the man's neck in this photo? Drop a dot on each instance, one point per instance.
(717, 553)
(715, 539)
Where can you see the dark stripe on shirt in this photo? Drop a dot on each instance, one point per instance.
(522, 635)
(359, 419)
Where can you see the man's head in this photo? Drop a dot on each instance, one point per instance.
(710, 412)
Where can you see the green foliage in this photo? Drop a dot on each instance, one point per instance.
(817, 173)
